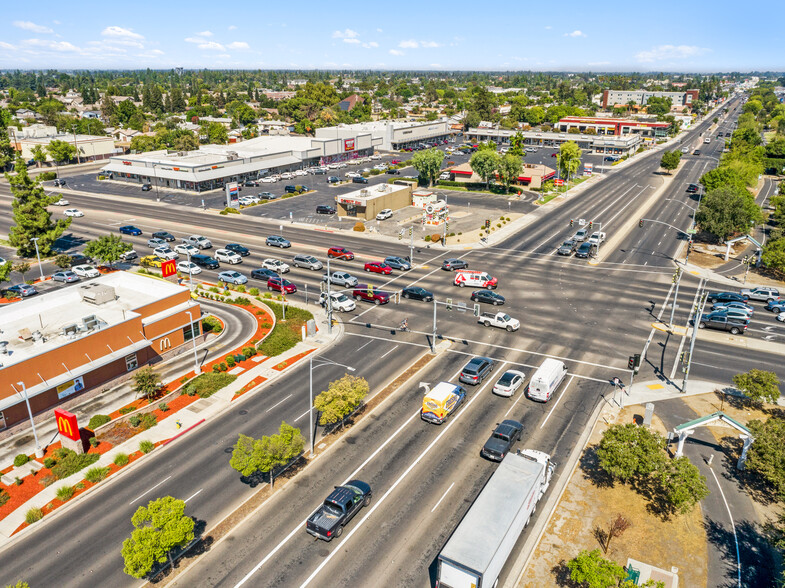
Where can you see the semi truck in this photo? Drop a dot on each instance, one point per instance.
(476, 552)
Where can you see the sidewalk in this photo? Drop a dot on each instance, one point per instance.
(187, 418)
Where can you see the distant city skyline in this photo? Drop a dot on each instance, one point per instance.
(506, 36)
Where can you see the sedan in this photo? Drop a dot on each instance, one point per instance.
(340, 253)
(280, 284)
(384, 214)
(353, 174)
(378, 268)
(238, 249)
(268, 196)
(417, 293)
(324, 209)
(232, 277)
(398, 263)
(454, 264)
(166, 253)
(276, 266)
(188, 267)
(156, 242)
(510, 381)
(86, 271)
(186, 249)
(568, 247)
(61, 202)
(165, 235)
(731, 313)
(23, 290)
(73, 212)
(781, 317)
(226, 256)
(487, 296)
(734, 305)
(248, 200)
(776, 306)
(151, 261)
(725, 297)
(65, 276)
(130, 230)
(333, 180)
(276, 241)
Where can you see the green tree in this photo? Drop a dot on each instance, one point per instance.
(216, 133)
(726, 211)
(340, 399)
(147, 382)
(177, 101)
(160, 527)
(61, 151)
(251, 456)
(682, 484)
(6, 149)
(485, 162)
(591, 569)
(766, 455)
(108, 248)
(758, 386)
(510, 169)
(31, 217)
(569, 159)
(63, 261)
(773, 255)
(144, 143)
(517, 145)
(428, 163)
(39, 154)
(670, 160)
(721, 176)
(628, 451)
(21, 268)
(245, 456)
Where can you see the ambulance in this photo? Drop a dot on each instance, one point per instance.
(475, 279)
(441, 402)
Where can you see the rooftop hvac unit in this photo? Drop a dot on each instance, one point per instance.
(4, 347)
(96, 293)
(91, 322)
(70, 331)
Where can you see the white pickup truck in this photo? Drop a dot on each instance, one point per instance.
(501, 320)
(597, 238)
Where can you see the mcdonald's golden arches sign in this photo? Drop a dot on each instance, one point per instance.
(66, 424)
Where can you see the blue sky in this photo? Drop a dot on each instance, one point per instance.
(500, 35)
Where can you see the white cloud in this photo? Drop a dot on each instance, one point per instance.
(410, 44)
(120, 32)
(345, 34)
(204, 44)
(396, 52)
(670, 52)
(205, 34)
(231, 27)
(575, 34)
(53, 45)
(379, 31)
(156, 51)
(31, 26)
(436, 65)
(57, 22)
(224, 56)
(429, 44)
(371, 45)
(4, 45)
(352, 41)
(238, 45)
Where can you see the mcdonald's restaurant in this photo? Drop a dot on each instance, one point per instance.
(87, 338)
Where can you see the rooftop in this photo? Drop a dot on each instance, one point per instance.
(362, 196)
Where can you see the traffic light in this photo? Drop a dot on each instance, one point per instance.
(476, 310)
(411, 231)
(631, 363)
(640, 223)
(637, 358)
(449, 304)
(571, 222)
(487, 224)
(400, 236)
(446, 226)
(591, 223)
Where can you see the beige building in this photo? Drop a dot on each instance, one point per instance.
(532, 175)
(88, 147)
(368, 202)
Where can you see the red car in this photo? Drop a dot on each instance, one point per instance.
(395, 161)
(378, 268)
(554, 154)
(340, 253)
(281, 285)
(370, 294)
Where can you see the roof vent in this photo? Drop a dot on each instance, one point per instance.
(97, 293)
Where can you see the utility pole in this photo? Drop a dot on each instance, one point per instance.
(675, 295)
(411, 246)
(696, 322)
(329, 301)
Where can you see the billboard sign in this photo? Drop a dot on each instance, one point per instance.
(348, 145)
(70, 387)
(66, 424)
(169, 268)
(233, 195)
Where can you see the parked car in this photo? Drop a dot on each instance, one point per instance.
(146, 187)
(370, 294)
(417, 293)
(86, 271)
(324, 209)
(453, 264)
(188, 267)
(384, 214)
(79, 259)
(377, 268)
(276, 265)
(340, 253)
(73, 212)
(276, 241)
(280, 284)
(268, 196)
(205, 261)
(344, 279)
(764, 293)
(735, 326)
(165, 235)
(724, 297)
(488, 297)
(340, 506)
(67, 276)
(359, 180)
(263, 274)
(333, 180)
(227, 256)
(502, 439)
(509, 383)
(232, 277)
(307, 261)
(476, 370)
(249, 200)
(186, 249)
(22, 290)
(734, 305)
(568, 247)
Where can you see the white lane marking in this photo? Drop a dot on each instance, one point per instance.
(389, 352)
(733, 526)
(278, 403)
(557, 401)
(623, 208)
(361, 346)
(150, 490)
(443, 497)
(193, 495)
(514, 404)
(301, 416)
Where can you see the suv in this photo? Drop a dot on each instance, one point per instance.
(205, 261)
(764, 293)
(198, 241)
(476, 370)
(370, 294)
(340, 253)
(307, 261)
(360, 180)
(324, 209)
(721, 322)
(344, 279)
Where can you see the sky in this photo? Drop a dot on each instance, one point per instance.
(503, 35)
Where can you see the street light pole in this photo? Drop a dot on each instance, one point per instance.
(310, 392)
(38, 451)
(695, 327)
(193, 338)
(38, 255)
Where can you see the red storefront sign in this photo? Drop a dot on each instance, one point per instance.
(66, 424)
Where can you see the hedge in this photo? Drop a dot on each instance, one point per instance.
(97, 420)
(46, 176)
(69, 462)
(205, 385)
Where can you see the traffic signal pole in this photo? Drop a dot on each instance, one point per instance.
(433, 341)
(675, 295)
(696, 322)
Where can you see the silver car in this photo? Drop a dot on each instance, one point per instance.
(307, 261)
(65, 276)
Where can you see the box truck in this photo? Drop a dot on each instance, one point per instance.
(547, 379)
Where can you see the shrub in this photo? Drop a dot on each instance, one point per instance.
(206, 385)
(223, 366)
(47, 481)
(229, 210)
(249, 351)
(18, 481)
(62, 452)
(498, 225)
(211, 324)
(508, 219)
(266, 325)
(216, 369)
(148, 420)
(427, 238)
(146, 446)
(359, 227)
(97, 420)
(65, 493)
(163, 407)
(34, 515)
(21, 460)
(135, 420)
(241, 288)
(96, 474)
(241, 301)
(49, 463)
(436, 238)
(47, 176)
(126, 410)
(254, 291)
(93, 442)
(4, 497)
(230, 360)
(214, 290)
(121, 459)
(71, 462)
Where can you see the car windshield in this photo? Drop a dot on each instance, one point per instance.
(507, 378)
(506, 317)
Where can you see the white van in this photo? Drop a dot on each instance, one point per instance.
(546, 380)
(475, 278)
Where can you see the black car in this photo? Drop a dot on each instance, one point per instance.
(696, 152)
(692, 189)
(476, 370)
(324, 209)
(487, 296)
(360, 180)
(502, 439)
(454, 264)
(146, 187)
(724, 297)
(333, 180)
(417, 293)
(263, 274)
(392, 171)
(238, 249)
(715, 320)
(79, 259)
(165, 235)
(293, 189)
(205, 261)
(586, 250)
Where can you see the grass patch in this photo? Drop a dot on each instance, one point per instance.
(146, 446)
(287, 334)
(206, 385)
(96, 474)
(65, 493)
(34, 515)
(121, 459)
(69, 462)
(97, 420)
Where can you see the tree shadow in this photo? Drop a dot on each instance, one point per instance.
(758, 566)
(590, 466)
(197, 547)
(748, 481)
(657, 502)
(561, 575)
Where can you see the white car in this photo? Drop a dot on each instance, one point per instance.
(61, 202)
(227, 256)
(781, 317)
(85, 271)
(186, 249)
(73, 212)
(268, 180)
(276, 265)
(510, 381)
(301, 172)
(338, 301)
(248, 200)
(444, 176)
(188, 267)
(375, 156)
(166, 253)
(381, 166)
(384, 214)
(287, 176)
(341, 165)
(353, 175)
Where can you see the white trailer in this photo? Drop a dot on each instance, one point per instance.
(476, 552)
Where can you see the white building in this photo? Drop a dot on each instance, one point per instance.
(393, 135)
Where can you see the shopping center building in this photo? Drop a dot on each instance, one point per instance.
(611, 145)
(614, 126)
(394, 135)
(58, 345)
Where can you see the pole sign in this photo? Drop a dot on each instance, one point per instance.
(558, 182)
(233, 195)
(66, 424)
(169, 268)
